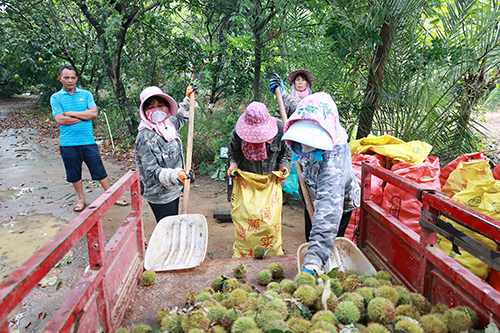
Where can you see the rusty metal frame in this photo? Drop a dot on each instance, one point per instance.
(99, 300)
(413, 259)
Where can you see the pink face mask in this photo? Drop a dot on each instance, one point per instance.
(157, 115)
(254, 151)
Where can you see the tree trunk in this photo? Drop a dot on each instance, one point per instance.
(112, 66)
(374, 85)
(257, 66)
(113, 71)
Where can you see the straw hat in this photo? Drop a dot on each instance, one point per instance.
(293, 75)
(256, 125)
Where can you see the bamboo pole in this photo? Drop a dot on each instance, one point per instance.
(303, 186)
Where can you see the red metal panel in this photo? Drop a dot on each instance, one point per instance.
(395, 253)
(72, 309)
(414, 260)
(88, 322)
(478, 221)
(80, 306)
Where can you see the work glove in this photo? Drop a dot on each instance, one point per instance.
(190, 88)
(285, 173)
(231, 172)
(274, 82)
(183, 176)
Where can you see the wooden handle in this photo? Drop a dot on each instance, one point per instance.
(189, 154)
(303, 186)
(305, 192)
(281, 106)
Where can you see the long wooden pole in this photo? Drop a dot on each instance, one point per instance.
(303, 186)
(189, 154)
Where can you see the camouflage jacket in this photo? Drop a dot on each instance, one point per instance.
(334, 190)
(278, 155)
(159, 161)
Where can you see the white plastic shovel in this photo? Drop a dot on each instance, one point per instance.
(180, 241)
(346, 256)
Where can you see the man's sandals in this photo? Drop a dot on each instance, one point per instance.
(80, 205)
(121, 202)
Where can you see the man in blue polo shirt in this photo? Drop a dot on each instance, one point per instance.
(73, 109)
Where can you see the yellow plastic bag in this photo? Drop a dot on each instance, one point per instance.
(413, 152)
(476, 170)
(483, 196)
(256, 205)
(357, 145)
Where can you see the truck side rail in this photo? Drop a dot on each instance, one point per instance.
(99, 300)
(413, 259)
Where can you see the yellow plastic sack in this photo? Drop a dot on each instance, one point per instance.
(413, 152)
(380, 140)
(475, 170)
(371, 139)
(256, 205)
(483, 196)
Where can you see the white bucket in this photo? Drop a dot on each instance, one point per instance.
(347, 256)
(178, 242)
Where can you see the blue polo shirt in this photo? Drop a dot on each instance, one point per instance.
(78, 134)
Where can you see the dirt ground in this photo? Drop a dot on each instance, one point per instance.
(36, 202)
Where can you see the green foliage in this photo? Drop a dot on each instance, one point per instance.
(442, 62)
(493, 101)
(217, 170)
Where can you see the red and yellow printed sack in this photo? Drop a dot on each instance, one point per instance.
(404, 206)
(256, 205)
(445, 172)
(484, 196)
(475, 170)
(496, 172)
(376, 188)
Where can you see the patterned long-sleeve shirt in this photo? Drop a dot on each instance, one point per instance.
(160, 161)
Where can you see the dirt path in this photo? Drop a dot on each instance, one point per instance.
(36, 202)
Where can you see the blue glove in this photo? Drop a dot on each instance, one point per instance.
(274, 82)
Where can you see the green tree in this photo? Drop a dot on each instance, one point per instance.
(408, 67)
(41, 36)
(111, 21)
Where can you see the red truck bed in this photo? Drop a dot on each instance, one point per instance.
(108, 296)
(414, 260)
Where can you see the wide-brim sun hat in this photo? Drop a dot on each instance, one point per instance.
(155, 91)
(310, 133)
(256, 125)
(293, 75)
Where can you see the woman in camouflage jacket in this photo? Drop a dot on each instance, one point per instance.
(315, 135)
(158, 150)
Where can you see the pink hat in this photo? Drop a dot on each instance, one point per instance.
(293, 75)
(256, 125)
(155, 91)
